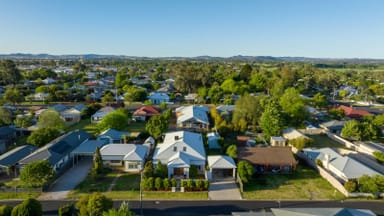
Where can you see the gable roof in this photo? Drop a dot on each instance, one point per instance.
(291, 133)
(80, 107)
(13, 156)
(129, 152)
(189, 143)
(113, 134)
(58, 148)
(221, 162)
(350, 168)
(321, 212)
(158, 95)
(332, 124)
(146, 111)
(198, 113)
(59, 107)
(88, 147)
(103, 111)
(353, 113)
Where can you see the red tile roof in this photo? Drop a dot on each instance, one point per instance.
(353, 113)
(147, 111)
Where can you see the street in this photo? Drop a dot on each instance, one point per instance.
(191, 208)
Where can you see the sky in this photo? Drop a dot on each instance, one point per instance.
(188, 28)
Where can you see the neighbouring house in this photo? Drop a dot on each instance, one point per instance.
(213, 140)
(269, 159)
(86, 150)
(226, 111)
(129, 157)
(350, 112)
(71, 115)
(221, 166)
(59, 107)
(11, 158)
(98, 116)
(191, 97)
(309, 212)
(333, 126)
(179, 151)
(291, 133)
(113, 136)
(192, 118)
(80, 107)
(38, 96)
(343, 167)
(7, 137)
(278, 141)
(144, 113)
(57, 152)
(158, 98)
(48, 81)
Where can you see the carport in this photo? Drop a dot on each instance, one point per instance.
(221, 166)
(86, 150)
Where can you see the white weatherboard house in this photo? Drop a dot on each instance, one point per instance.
(179, 151)
(193, 117)
(130, 157)
(343, 167)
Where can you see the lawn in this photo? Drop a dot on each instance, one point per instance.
(135, 128)
(18, 195)
(81, 125)
(321, 141)
(304, 184)
(91, 184)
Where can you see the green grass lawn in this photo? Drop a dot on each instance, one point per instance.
(127, 182)
(80, 125)
(135, 128)
(18, 195)
(91, 184)
(321, 141)
(304, 184)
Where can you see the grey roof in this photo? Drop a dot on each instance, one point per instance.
(80, 107)
(333, 124)
(221, 162)
(58, 148)
(321, 212)
(6, 131)
(350, 168)
(13, 156)
(59, 107)
(198, 113)
(225, 108)
(130, 152)
(88, 147)
(104, 111)
(113, 133)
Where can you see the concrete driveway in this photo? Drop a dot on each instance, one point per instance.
(68, 181)
(224, 190)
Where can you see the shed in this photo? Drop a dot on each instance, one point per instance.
(221, 166)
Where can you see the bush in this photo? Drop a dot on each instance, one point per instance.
(94, 204)
(158, 183)
(190, 185)
(199, 185)
(67, 210)
(166, 184)
(379, 156)
(148, 184)
(301, 142)
(206, 185)
(319, 163)
(350, 186)
(29, 207)
(173, 182)
(5, 210)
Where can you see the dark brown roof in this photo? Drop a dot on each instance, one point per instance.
(267, 155)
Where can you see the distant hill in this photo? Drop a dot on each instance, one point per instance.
(202, 58)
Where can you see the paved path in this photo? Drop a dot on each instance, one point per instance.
(224, 190)
(68, 181)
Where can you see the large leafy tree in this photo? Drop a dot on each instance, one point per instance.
(29, 207)
(42, 136)
(94, 204)
(320, 100)
(51, 119)
(248, 110)
(293, 105)
(36, 174)
(122, 211)
(9, 74)
(271, 121)
(258, 82)
(352, 130)
(245, 171)
(13, 96)
(23, 121)
(117, 120)
(232, 151)
(215, 93)
(156, 126)
(6, 116)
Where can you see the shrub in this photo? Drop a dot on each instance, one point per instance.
(67, 210)
(158, 183)
(173, 182)
(5, 210)
(301, 142)
(166, 184)
(350, 186)
(206, 185)
(379, 156)
(30, 207)
(319, 163)
(199, 185)
(190, 185)
(184, 184)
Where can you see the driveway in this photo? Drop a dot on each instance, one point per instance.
(224, 190)
(68, 181)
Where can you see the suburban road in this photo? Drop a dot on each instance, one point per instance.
(192, 208)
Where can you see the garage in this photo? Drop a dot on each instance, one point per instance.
(86, 150)
(221, 167)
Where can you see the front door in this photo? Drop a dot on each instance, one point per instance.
(178, 171)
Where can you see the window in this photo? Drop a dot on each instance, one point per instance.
(175, 148)
(184, 148)
(115, 161)
(132, 166)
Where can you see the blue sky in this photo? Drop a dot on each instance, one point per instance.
(309, 28)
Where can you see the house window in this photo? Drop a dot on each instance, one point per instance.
(175, 148)
(184, 148)
(132, 166)
(115, 161)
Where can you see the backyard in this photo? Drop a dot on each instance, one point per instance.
(322, 141)
(304, 184)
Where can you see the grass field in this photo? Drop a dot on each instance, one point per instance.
(304, 184)
(18, 195)
(91, 184)
(321, 141)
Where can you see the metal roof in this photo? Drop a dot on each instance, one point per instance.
(221, 162)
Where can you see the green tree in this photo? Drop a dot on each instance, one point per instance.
(378, 120)
(248, 110)
(117, 120)
(367, 184)
(245, 171)
(301, 142)
(98, 165)
(136, 94)
(293, 105)
(271, 122)
(36, 174)
(9, 74)
(336, 113)
(350, 186)
(320, 100)
(5, 210)
(122, 211)
(343, 93)
(51, 119)
(42, 136)
(232, 151)
(29, 207)
(23, 122)
(258, 82)
(379, 156)
(148, 169)
(245, 72)
(156, 126)
(352, 130)
(161, 170)
(6, 116)
(13, 96)
(229, 86)
(67, 210)
(42, 89)
(158, 183)
(93, 205)
(215, 93)
(107, 98)
(166, 184)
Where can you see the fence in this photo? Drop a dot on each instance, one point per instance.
(18, 189)
(238, 181)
